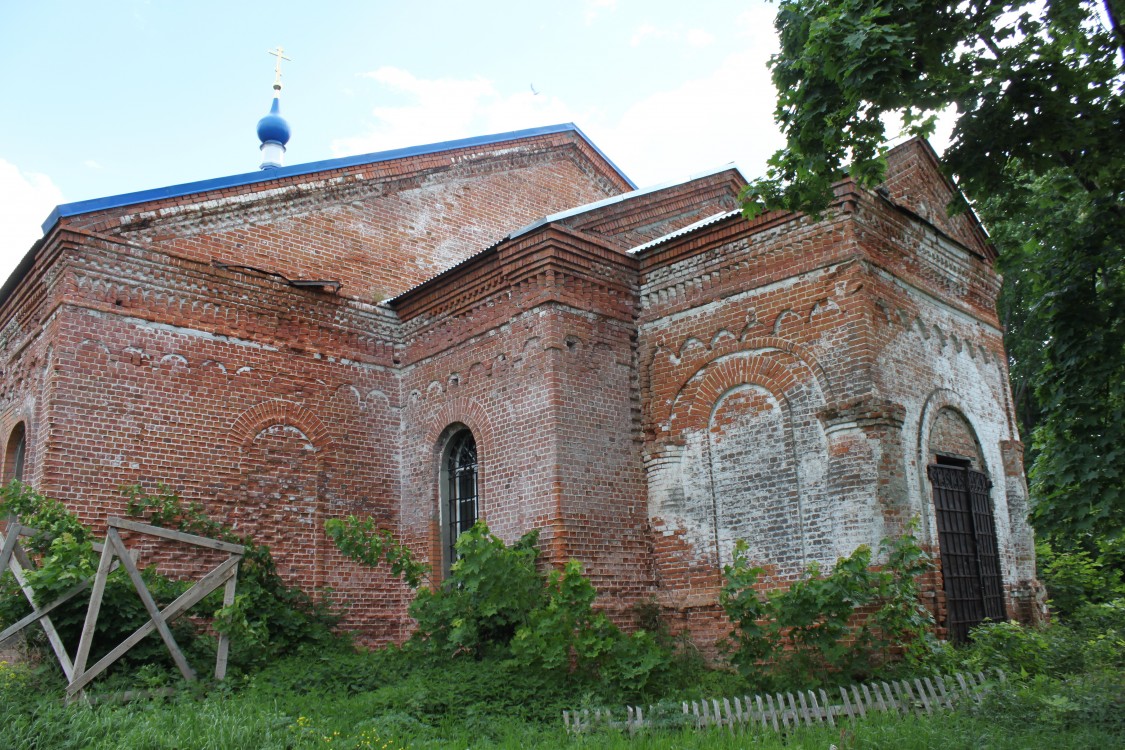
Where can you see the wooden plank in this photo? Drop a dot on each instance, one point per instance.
(86, 638)
(794, 712)
(889, 703)
(947, 697)
(814, 707)
(859, 702)
(223, 651)
(804, 708)
(827, 708)
(935, 697)
(880, 703)
(762, 711)
(186, 600)
(179, 536)
(925, 698)
(17, 563)
(900, 697)
(773, 713)
(739, 716)
(961, 681)
(894, 700)
(915, 704)
(867, 699)
(730, 715)
(10, 540)
(114, 538)
(847, 703)
(784, 709)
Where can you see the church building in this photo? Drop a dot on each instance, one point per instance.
(506, 328)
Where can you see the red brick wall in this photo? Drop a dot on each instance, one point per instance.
(273, 430)
(541, 369)
(378, 228)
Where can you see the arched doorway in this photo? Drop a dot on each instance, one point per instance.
(970, 559)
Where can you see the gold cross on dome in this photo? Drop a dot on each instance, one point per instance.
(279, 53)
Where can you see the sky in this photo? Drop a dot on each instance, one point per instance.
(103, 97)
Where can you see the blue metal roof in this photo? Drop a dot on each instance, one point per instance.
(249, 178)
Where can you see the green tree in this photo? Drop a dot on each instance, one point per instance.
(1038, 91)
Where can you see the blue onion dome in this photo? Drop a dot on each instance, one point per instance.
(273, 127)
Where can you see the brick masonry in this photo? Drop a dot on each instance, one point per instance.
(783, 381)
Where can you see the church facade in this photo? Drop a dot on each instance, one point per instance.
(505, 328)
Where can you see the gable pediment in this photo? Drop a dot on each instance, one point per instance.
(915, 182)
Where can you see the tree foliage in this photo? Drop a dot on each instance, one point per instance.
(1038, 91)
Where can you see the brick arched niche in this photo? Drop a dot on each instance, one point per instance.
(457, 417)
(746, 458)
(284, 456)
(952, 437)
(15, 453)
(946, 431)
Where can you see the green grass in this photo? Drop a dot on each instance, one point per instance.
(1039, 712)
(1066, 689)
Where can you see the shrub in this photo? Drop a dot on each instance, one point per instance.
(491, 591)
(496, 605)
(816, 628)
(267, 619)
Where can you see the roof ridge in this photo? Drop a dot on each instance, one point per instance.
(296, 170)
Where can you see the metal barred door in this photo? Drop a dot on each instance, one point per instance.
(970, 561)
(992, 585)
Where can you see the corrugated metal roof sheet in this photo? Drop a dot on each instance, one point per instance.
(571, 212)
(713, 219)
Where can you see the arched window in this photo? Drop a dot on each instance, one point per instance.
(459, 470)
(13, 456)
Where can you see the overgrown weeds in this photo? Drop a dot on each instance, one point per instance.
(840, 626)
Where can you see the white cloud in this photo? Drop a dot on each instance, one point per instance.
(699, 38)
(447, 108)
(91, 164)
(26, 199)
(703, 123)
(692, 37)
(594, 8)
(645, 31)
(724, 116)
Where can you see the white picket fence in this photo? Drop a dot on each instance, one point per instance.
(780, 711)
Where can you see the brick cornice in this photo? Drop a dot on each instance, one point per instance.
(131, 280)
(551, 264)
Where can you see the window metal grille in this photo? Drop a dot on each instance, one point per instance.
(461, 470)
